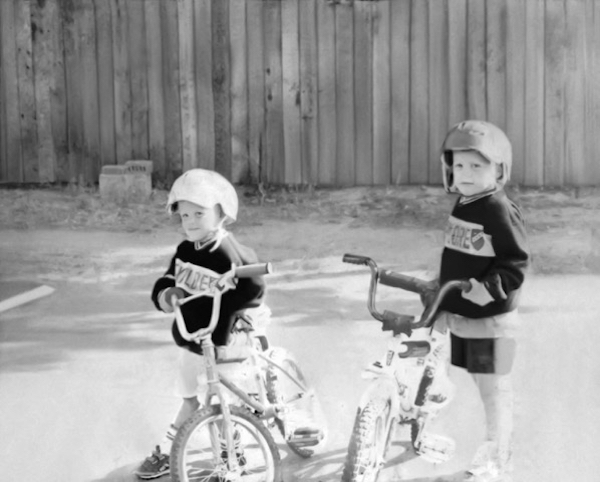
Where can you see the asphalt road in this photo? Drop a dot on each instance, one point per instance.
(86, 377)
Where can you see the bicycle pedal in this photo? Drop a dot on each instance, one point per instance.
(436, 448)
(306, 437)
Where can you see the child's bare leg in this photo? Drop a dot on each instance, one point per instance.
(188, 407)
(497, 396)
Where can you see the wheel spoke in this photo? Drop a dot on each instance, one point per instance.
(200, 455)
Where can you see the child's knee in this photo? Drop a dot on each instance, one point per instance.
(192, 403)
(493, 386)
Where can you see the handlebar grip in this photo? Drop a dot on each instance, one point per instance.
(402, 281)
(251, 270)
(355, 259)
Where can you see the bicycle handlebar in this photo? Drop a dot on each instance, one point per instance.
(396, 322)
(402, 281)
(247, 271)
(251, 270)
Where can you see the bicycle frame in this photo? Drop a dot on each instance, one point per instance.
(215, 380)
(405, 383)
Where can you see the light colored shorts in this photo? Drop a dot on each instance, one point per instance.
(191, 378)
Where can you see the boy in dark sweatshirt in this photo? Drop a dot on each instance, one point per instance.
(485, 242)
(205, 203)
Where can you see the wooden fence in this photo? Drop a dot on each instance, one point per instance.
(321, 92)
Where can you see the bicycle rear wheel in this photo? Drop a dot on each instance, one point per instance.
(198, 453)
(369, 442)
(302, 405)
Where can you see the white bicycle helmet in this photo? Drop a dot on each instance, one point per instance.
(483, 137)
(207, 189)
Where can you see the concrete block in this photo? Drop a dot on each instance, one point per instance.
(126, 183)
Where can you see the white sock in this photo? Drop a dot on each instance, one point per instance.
(167, 441)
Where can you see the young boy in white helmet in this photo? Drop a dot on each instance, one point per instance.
(485, 242)
(205, 202)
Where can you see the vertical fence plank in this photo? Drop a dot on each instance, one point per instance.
(554, 102)
(326, 93)
(575, 93)
(187, 83)
(382, 141)
(58, 103)
(256, 90)
(42, 23)
(29, 137)
(3, 115)
(534, 93)
(400, 60)
(495, 26)
(308, 91)
(89, 71)
(239, 91)
(204, 88)
(274, 147)
(156, 111)
(344, 72)
(290, 56)
(122, 90)
(106, 98)
(139, 78)
(363, 90)
(10, 92)
(73, 90)
(171, 98)
(591, 165)
(457, 62)
(515, 85)
(438, 86)
(221, 82)
(419, 106)
(476, 61)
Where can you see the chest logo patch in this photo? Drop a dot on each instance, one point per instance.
(195, 279)
(468, 238)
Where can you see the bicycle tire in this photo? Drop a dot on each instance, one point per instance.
(369, 442)
(276, 392)
(195, 455)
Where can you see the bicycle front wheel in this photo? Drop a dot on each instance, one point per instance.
(369, 441)
(199, 453)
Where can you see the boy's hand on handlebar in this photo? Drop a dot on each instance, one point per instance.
(428, 296)
(478, 293)
(165, 299)
(228, 281)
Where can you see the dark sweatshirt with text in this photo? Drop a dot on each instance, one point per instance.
(196, 270)
(485, 239)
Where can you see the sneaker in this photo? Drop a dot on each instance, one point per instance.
(485, 466)
(156, 465)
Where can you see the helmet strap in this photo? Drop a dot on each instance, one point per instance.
(216, 237)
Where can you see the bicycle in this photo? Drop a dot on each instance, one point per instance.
(410, 387)
(228, 438)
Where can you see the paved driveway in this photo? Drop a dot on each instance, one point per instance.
(86, 377)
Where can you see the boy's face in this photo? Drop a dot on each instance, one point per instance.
(473, 174)
(197, 221)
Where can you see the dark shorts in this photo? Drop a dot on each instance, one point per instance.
(483, 355)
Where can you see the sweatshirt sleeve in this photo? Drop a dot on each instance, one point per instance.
(507, 231)
(164, 282)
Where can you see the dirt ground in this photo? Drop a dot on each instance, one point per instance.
(294, 224)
